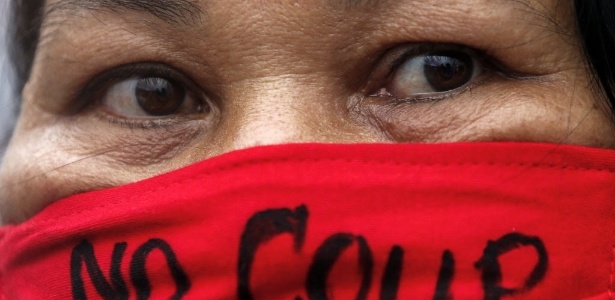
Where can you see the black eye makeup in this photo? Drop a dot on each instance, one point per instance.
(145, 95)
(422, 73)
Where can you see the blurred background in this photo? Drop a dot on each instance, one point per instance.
(7, 110)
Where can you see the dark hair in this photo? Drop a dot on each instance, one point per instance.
(23, 33)
(595, 20)
(22, 38)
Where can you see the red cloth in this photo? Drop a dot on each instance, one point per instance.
(462, 221)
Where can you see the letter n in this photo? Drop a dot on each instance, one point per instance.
(114, 288)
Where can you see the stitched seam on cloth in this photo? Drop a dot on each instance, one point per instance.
(277, 161)
(417, 164)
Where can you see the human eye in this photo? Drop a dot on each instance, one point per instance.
(427, 73)
(433, 92)
(145, 95)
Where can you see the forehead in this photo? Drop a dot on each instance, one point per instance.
(294, 35)
(411, 20)
(189, 12)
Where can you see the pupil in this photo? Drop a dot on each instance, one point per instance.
(159, 96)
(448, 71)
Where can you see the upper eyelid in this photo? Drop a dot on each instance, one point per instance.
(486, 57)
(98, 83)
(487, 60)
(394, 59)
(135, 70)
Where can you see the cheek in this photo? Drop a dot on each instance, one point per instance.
(51, 158)
(501, 111)
(134, 149)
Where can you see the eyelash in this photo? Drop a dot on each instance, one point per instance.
(421, 49)
(91, 95)
(401, 54)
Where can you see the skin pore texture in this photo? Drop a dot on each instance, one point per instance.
(273, 72)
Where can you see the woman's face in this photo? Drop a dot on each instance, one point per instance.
(124, 90)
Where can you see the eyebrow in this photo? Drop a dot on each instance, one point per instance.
(174, 12)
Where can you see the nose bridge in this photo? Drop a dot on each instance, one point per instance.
(282, 37)
(281, 109)
(290, 84)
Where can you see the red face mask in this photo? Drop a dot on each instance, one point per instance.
(456, 221)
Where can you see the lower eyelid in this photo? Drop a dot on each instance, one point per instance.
(141, 123)
(437, 96)
(136, 70)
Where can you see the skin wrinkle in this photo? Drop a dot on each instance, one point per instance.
(174, 12)
(520, 37)
(355, 4)
(547, 19)
(140, 152)
(270, 53)
(288, 72)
